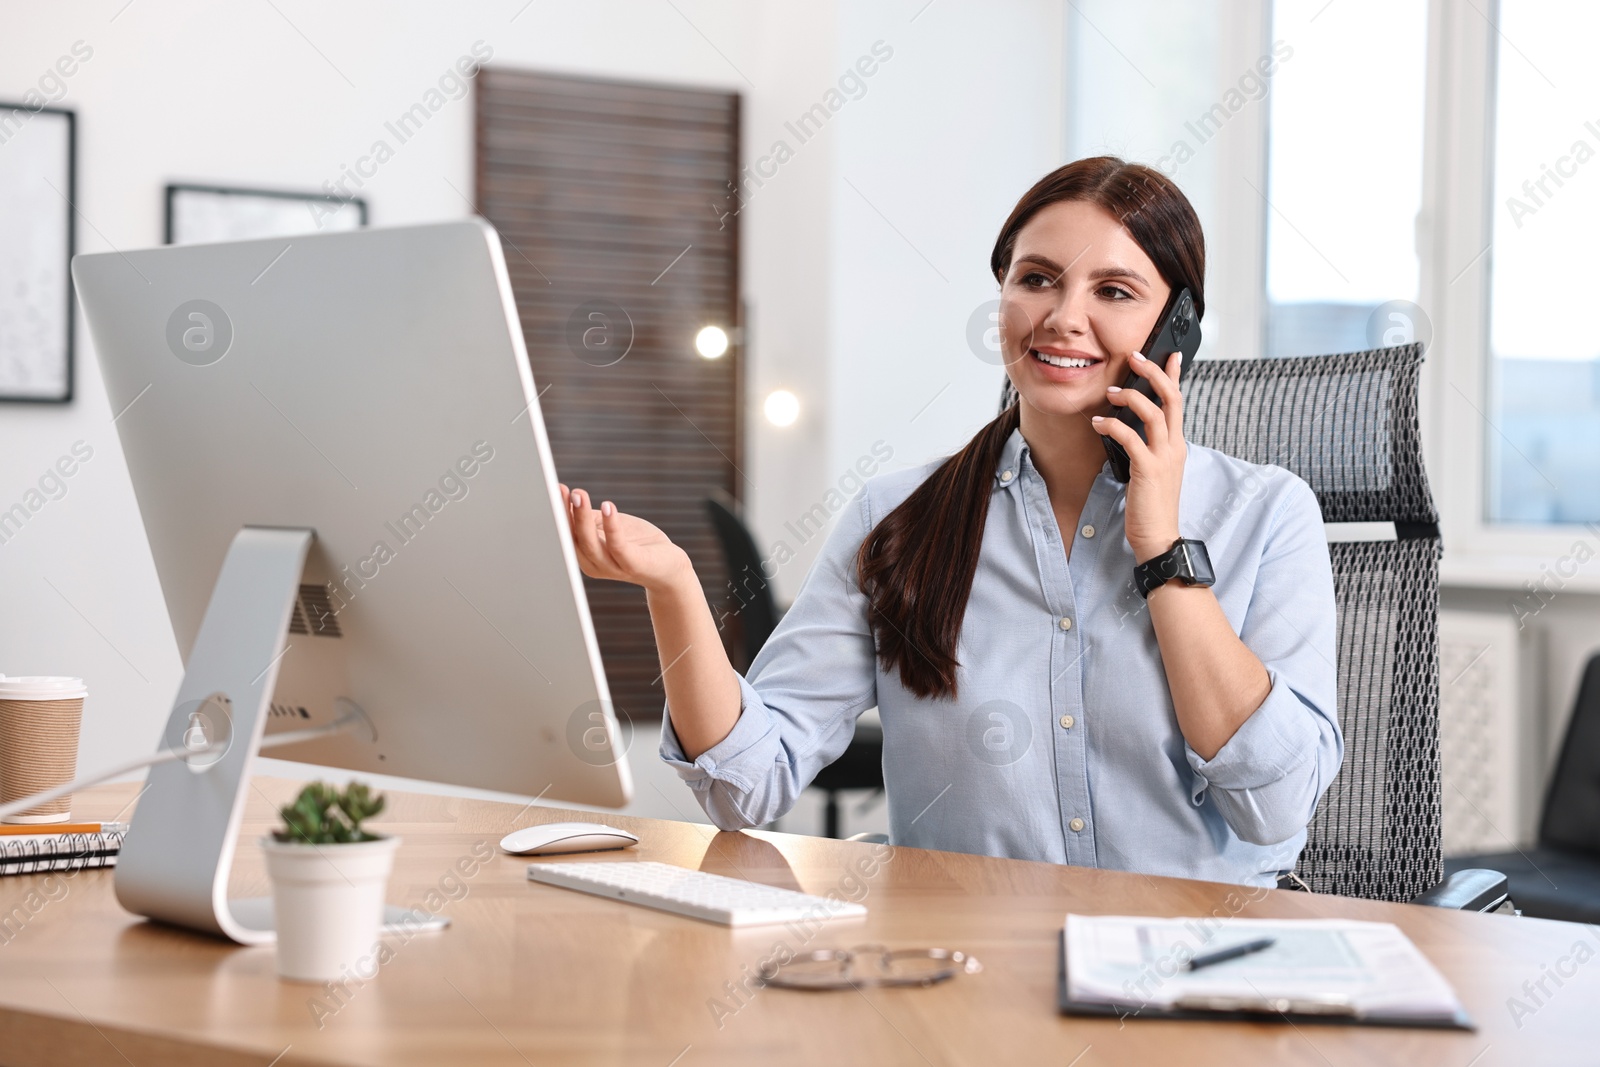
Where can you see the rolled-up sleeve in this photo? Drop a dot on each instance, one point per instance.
(1267, 779)
(799, 702)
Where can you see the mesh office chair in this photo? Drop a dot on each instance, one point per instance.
(860, 766)
(1347, 424)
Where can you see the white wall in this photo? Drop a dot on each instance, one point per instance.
(919, 167)
(948, 133)
(963, 119)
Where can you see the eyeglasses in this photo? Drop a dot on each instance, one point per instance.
(869, 965)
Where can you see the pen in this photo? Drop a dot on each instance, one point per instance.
(1233, 952)
(34, 829)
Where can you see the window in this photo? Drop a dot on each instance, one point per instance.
(1543, 464)
(1344, 174)
(1479, 121)
(1138, 77)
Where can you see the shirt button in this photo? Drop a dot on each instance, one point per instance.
(1006, 476)
(1088, 531)
(1066, 623)
(1067, 721)
(1076, 824)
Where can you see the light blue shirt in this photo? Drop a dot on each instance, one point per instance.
(1062, 745)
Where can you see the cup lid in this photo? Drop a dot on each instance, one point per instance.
(41, 687)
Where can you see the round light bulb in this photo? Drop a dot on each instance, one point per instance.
(781, 408)
(711, 341)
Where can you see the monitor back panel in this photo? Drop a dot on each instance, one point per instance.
(371, 386)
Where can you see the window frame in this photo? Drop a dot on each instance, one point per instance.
(1455, 234)
(1236, 254)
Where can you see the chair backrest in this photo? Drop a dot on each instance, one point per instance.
(1347, 424)
(1572, 808)
(758, 611)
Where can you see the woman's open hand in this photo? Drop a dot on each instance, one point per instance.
(1156, 465)
(623, 548)
(702, 688)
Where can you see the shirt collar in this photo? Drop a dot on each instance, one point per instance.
(1008, 471)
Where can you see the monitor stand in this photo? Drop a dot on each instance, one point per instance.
(175, 861)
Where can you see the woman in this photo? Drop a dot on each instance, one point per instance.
(1034, 703)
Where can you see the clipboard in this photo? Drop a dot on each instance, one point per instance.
(1330, 1012)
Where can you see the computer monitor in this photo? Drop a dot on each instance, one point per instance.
(342, 469)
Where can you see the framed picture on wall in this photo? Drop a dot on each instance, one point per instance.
(37, 193)
(200, 213)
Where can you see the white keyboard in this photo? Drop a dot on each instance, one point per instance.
(729, 901)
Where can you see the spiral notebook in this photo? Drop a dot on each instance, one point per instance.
(40, 853)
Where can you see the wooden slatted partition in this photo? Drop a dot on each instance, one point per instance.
(611, 199)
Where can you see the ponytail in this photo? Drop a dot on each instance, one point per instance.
(916, 566)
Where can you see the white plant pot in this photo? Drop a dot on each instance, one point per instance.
(327, 904)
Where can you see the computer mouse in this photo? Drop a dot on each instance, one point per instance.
(550, 838)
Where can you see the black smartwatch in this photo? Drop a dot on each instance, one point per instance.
(1187, 561)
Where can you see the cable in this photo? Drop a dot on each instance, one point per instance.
(167, 755)
(294, 737)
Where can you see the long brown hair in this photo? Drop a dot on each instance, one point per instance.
(916, 566)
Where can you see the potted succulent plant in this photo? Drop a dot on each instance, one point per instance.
(329, 880)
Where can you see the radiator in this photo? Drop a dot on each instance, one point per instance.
(1479, 743)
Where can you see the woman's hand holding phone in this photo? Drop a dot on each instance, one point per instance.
(1156, 464)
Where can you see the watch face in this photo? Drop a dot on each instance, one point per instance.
(1199, 563)
(1187, 560)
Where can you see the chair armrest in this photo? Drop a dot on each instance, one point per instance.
(871, 839)
(1474, 889)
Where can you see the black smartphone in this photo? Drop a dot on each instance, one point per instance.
(1178, 330)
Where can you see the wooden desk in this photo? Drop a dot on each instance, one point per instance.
(534, 974)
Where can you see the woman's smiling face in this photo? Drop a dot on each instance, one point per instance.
(1080, 297)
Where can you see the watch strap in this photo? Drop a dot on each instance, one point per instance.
(1187, 561)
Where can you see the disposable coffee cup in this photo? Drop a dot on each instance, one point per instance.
(39, 720)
